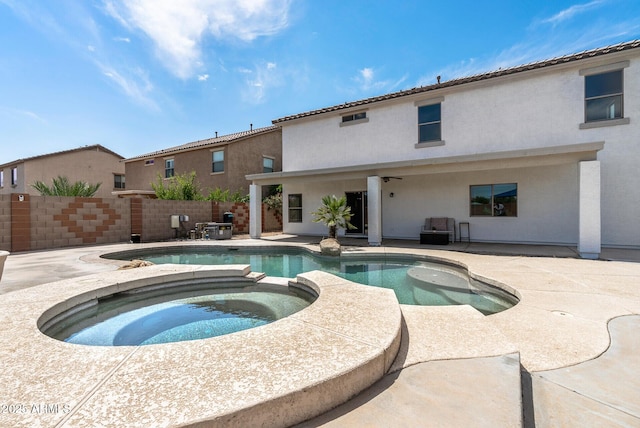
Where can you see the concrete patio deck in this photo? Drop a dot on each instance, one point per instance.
(566, 355)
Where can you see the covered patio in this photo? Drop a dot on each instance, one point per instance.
(559, 195)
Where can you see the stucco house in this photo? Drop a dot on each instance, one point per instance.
(543, 153)
(219, 162)
(92, 164)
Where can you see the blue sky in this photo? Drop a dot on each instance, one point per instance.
(142, 75)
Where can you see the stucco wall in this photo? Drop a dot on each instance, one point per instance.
(242, 157)
(525, 111)
(547, 210)
(93, 166)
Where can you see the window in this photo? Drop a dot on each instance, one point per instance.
(267, 164)
(603, 96)
(14, 176)
(149, 162)
(217, 161)
(1, 178)
(494, 200)
(429, 123)
(118, 181)
(168, 168)
(295, 208)
(353, 117)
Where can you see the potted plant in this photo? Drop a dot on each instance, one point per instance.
(335, 214)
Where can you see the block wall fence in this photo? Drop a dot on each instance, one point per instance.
(30, 222)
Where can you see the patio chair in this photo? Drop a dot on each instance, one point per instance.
(437, 225)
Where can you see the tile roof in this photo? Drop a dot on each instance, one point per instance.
(96, 147)
(207, 142)
(474, 78)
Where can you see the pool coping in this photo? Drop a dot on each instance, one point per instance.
(317, 358)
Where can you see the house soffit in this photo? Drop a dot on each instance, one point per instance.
(477, 162)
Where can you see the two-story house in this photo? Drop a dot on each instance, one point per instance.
(543, 153)
(219, 162)
(92, 164)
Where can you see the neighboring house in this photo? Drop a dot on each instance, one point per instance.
(92, 164)
(544, 153)
(219, 162)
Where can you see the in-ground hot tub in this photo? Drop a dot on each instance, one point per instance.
(279, 374)
(175, 312)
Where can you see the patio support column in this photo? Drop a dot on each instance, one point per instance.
(374, 210)
(255, 211)
(589, 225)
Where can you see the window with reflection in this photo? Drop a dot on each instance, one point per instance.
(118, 181)
(603, 96)
(168, 168)
(494, 200)
(295, 208)
(429, 123)
(217, 161)
(354, 116)
(267, 164)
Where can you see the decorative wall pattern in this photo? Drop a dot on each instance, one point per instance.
(88, 219)
(42, 222)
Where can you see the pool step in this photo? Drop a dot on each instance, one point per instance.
(476, 392)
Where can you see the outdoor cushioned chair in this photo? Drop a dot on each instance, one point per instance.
(441, 224)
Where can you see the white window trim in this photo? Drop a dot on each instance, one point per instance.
(599, 70)
(428, 102)
(224, 160)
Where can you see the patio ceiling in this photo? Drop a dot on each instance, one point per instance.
(555, 155)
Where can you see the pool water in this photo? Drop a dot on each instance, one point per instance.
(415, 282)
(147, 318)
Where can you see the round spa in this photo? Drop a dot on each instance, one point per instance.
(175, 312)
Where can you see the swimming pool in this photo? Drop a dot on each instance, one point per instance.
(414, 281)
(175, 312)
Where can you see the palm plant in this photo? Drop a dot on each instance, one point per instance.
(63, 187)
(335, 213)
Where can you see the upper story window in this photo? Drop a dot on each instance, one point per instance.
(1, 178)
(494, 200)
(353, 118)
(603, 96)
(429, 122)
(118, 181)
(217, 161)
(149, 162)
(14, 176)
(168, 168)
(267, 164)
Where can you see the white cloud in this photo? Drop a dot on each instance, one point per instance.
(177, 29)
(571, 11)
(259, 81)
(122, 39)
(203, 77)
(366, 79)
(19, 112)
(91, 48)
(135, 84)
